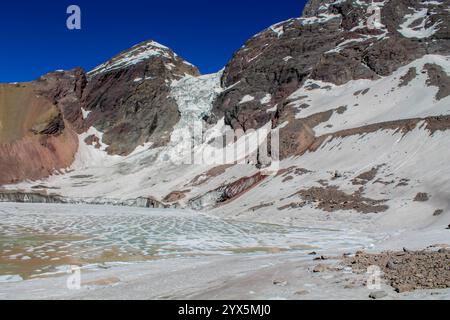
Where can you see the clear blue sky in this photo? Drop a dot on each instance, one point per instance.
(35, 39)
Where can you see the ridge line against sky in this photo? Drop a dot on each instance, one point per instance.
(205, 33)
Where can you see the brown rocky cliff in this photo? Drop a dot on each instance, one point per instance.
(34, 139)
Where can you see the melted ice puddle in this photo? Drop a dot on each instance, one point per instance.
(40, 239)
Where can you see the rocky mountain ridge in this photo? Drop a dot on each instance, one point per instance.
(332, 42)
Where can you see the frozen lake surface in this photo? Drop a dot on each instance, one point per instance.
(40, 239)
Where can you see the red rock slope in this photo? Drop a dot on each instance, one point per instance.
(34, 138)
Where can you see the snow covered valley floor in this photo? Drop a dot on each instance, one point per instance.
(134, 253)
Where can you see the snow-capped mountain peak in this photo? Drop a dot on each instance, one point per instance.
(135, 55)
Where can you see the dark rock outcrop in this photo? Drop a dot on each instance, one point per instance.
(225, 193)
(437, 77)
(331, 199)
(65, 89)
(275, 62)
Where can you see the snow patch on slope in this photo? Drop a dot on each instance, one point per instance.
(246, 98)
(90, 156)
(277, 29)
(421, 30)
(368, 102)
(85, 113)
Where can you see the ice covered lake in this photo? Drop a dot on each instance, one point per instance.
(42, 239)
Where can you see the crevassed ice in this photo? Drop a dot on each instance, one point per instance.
(194, 97)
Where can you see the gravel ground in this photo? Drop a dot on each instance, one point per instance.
(407, 270)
